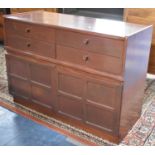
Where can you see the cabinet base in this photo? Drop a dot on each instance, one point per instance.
(75, 123)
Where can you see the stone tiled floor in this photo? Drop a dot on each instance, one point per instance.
(16, 130)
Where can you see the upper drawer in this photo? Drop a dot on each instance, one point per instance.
(29, 45)
(29, 30)
(91, 43)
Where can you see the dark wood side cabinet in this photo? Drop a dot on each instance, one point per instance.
(85, 71)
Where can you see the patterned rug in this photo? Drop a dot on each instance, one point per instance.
(142, 133)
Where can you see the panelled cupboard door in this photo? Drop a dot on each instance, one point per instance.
(18, 77)
(31, 81)
(70, 91)
(102, 104)
(42, 87)
(93, 101)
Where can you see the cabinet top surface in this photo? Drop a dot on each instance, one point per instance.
(94, 25)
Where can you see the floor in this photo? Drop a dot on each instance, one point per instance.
(16, 130)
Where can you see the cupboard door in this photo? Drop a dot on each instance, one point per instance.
(70, 95)
(103, 105)
(33, 81)
(17, 67)
(18, 75)
(42, 86)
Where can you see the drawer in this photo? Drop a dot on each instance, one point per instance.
(91, 43)
(100, 62)
(31, 46)
(29, 30)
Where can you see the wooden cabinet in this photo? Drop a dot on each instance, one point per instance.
(144, 16)
(71, 69)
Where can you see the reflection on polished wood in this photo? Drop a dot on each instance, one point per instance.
(100, 26)
(78, 69)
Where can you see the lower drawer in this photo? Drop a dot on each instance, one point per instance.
(100, 62)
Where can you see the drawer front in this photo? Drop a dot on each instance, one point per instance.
(69, 54)
(31, 46)
(100, 62)
(29, 30)
(91, 43)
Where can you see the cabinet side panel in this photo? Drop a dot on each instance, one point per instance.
(137, 56)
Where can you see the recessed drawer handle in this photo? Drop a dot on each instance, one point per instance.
(27, 30)
(85, 57)
(28, 44)
(86, 41)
